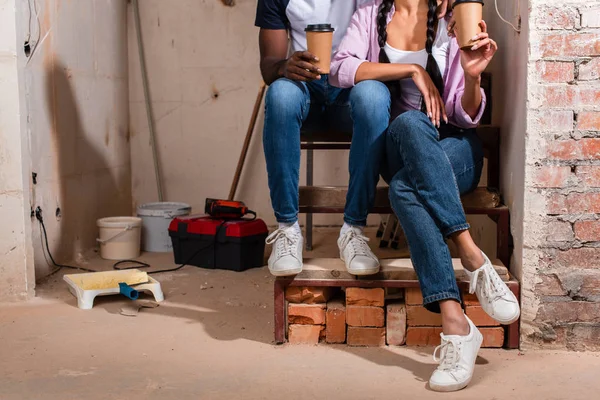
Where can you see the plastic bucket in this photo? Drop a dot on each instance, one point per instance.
(156, 218)
(119, 237)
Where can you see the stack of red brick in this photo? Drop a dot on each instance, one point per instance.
(364, 317)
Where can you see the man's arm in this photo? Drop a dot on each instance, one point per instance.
(274, 64)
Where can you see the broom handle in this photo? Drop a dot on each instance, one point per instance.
(240, 166)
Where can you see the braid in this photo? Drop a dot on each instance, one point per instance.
(384, 10)
(432, 67)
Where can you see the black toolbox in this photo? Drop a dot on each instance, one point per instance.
(207, 242)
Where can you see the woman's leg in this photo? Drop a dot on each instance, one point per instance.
(465, 154)
(415, 194)
(422, 191)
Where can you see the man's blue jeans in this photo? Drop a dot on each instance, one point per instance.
(363, 110)
(427, 171)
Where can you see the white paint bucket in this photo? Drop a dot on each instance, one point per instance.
(119, 237)
(156, 218)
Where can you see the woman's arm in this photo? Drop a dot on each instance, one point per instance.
(471, 100)
(352, 50)
(474, 61)
(384, 71)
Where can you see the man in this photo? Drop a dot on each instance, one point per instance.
(301, 96)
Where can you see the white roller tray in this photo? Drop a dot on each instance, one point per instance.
(85, 297)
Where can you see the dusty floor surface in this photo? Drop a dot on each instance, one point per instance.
(212, 339)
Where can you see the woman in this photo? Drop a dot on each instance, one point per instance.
(433, 156)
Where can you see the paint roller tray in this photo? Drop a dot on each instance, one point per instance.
(89, 285)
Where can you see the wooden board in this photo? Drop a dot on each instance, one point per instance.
(334, 197)
(391, 269)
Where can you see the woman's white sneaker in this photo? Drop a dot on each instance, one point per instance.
(286, 255)
(457, 356)
(356, 253)
(495, 297)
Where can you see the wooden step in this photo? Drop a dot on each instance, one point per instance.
(331, 199)
(400, 269)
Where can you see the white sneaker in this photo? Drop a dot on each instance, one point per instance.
(457, 355)
(286, 255)
(495, 297)
(357, 254)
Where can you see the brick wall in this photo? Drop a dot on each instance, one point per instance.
(561, 259)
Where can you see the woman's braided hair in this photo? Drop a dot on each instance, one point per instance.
(432, 67)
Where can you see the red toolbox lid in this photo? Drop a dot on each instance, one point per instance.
(206, 225)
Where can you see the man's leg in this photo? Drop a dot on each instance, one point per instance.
(286, 106)
(368, 106)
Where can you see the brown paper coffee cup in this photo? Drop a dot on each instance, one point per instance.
(467, 14)
(319, 40)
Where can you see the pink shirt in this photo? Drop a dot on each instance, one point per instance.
(360, 44)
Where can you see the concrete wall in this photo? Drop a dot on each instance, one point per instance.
(509, 73)
(203, 69)
(16, 254)
(77, 108)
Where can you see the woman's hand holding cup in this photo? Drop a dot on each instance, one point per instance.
(476, 59)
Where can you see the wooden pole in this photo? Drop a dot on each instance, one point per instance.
(240, 166)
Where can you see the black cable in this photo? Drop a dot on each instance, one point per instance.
(141, 264)
(38, 216)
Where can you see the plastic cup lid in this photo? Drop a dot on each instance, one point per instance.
(457, 2)
(319, 28)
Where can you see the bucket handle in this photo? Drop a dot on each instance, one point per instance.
(168, 214)
(126, 229)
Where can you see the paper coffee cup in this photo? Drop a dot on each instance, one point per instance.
(467, 14)
(319, 40)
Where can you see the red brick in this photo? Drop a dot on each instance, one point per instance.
(582, 149)
(570, 44)
(308, 295)
(588, 121)
(590, 70)
(413, 297)
(549, 286)
(365, 297)
(365, 316)
(306, 314)
(577, 258)
(479, 317)
(492, 337)
(588, 231)
(470, 299)
(583, 203)
(563, 96)
(552, 120)
(359, 336)
(395, 326)
(335, 326)
(556, 71)
(574, 203)
(556, 204)
(589, 175)
(569, 311)
(304, 334)
(562, 17)
(551, 176)
(423, 336)
(420, 316)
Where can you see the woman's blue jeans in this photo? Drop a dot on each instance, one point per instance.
(427, 171)
(363, 110)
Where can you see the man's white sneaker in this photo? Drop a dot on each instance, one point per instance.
(457, 355)
(495, 297)
(357, 254)
(286, 255)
